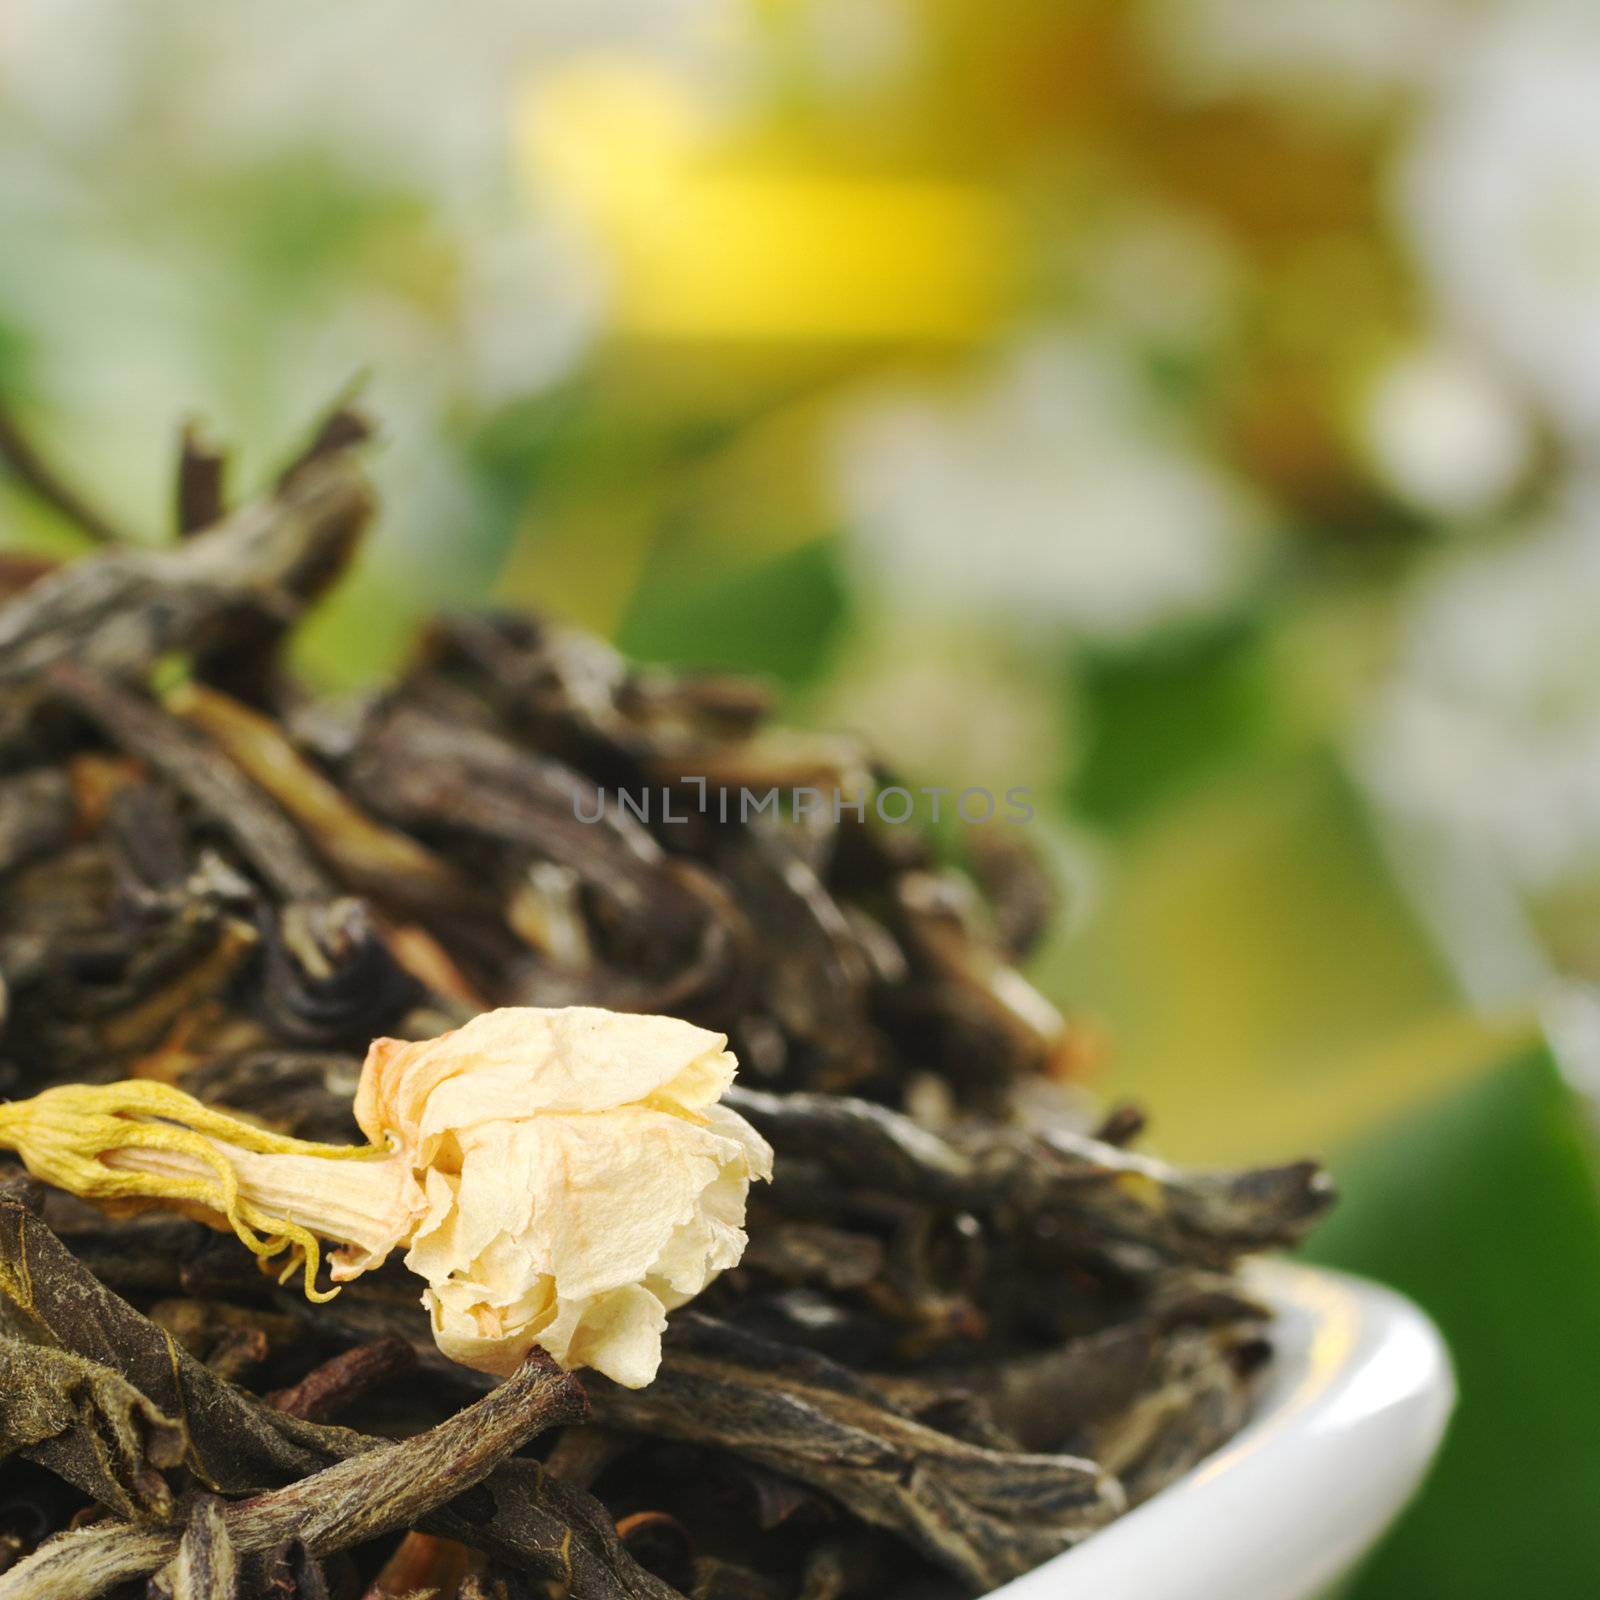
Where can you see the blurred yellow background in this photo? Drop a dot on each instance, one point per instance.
(1186, 409)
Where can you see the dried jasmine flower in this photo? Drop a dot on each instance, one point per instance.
(561, 1178)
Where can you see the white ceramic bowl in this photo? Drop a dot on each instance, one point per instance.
(1351, 1415)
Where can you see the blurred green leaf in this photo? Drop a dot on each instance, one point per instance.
(1265, 986)
(1483, 1209)
(289, 225)
(14, 352)
(782, 617)
(1159, 719)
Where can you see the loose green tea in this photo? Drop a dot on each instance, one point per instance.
(970, 1327)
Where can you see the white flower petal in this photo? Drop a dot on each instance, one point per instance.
(521, 1060)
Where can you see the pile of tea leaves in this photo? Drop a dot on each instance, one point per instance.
(971, 1326)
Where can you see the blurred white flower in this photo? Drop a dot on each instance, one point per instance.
(1061, 494)
(945, 706)
(1490, 729)
(511, 348)
(1341, 53)
(1170, 279)
(232, 211)
(1445, 432)
(1501, 194)
(403, 87)
(846, 47)
(48, 72)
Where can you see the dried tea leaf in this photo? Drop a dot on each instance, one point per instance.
(817, 996)
(424, 770)
(230, 802)
(985, 1515)
(813, 1253)
(1046, 1397)
(205, 1567)
(519, 1514)
(199, 488)
(1195, 1397)
(372, 1491)
(337, 1384)
(286, 1572)
(232, 1445)
(724, 1580)
(90, 1426)
(36, 815)
(1023, 898)
(387, 1486)
(329, 978)
(88, 1562)
(537, 1526)
(964, 1004)
(1111, 1196)
(341, 429)
(367, 856)
(237, 1353)
(117, 613)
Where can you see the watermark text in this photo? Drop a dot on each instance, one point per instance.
(894, 804)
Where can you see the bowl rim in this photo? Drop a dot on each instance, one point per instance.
(1352, 1412)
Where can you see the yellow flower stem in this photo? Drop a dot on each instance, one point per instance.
(145, 1142)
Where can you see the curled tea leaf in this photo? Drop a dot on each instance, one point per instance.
(984, 1515)
(372, 1490)
(232, 1446)
(90, 1426)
